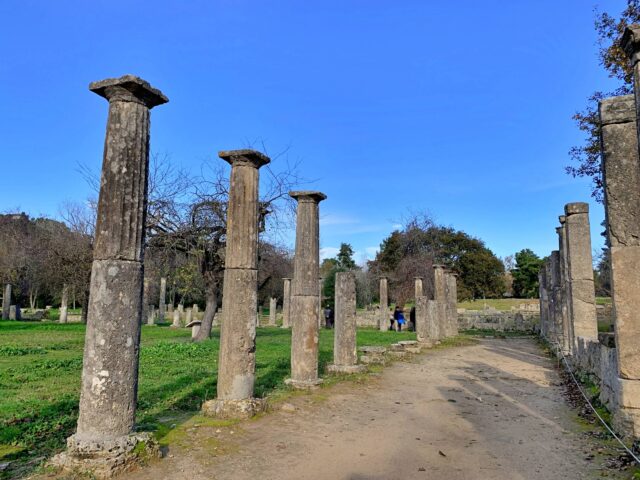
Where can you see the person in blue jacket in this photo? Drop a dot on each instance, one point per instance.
(398, 315)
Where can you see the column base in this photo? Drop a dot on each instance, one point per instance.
(106, 459)
(234, 409)
(346, 369)
(303, 384)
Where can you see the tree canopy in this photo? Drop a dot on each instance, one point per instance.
(525, 275)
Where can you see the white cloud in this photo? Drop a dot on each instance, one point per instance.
(328, 252)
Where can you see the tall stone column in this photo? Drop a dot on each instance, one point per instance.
(345, 356)
(583, 302)
(63, 304)
(286, 304)
(6, 302)
(427, 321)
(417, 287)
(383, 322)
(104, 440)
(237, 357)
(565, 283)
(439, 295)
(162, 305)
(273, 307)
(304, 295)
(621, 176)
(544, 299)
(451, 293)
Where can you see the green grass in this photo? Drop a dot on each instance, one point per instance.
(497, 303)
(603, 300)
(41, 364)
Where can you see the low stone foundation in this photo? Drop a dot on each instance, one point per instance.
(346, 369)
(234, 409)
(106, 459)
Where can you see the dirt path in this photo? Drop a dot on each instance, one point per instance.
(489, 411)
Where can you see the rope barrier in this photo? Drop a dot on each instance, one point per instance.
(560, 355)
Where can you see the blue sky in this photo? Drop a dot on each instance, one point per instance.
(462, 109)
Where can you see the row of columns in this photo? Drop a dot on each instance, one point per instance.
(437, 317)
(567, 306)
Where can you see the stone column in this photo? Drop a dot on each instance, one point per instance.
(273, 310)
(176, 319)
(345, 356)
(151, 315)
(548, 273)
(237, 357)
(621, 178)
(583, 301)
(439, 295)
(320, 298)
(6, 302)
(104, 438)
(417, 287)
(543, 295)
(13, 312)
(304, 295)
(565, 284)
(63, 304)
(286, 304)
(188, 316)
(162, 304)
(556, 334)
(451, 293)
(383, 322)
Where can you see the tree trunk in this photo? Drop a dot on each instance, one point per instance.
(209, 313)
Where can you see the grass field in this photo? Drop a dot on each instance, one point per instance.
(497, 303)
(41, 364)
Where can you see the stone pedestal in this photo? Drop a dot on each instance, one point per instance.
(383, 322)
(104, 440)
(286, 304)
(237, 357)
(162, 305)
(273, 311)
(6, 301)
(345, 356)
(176, 320)
(579, 260)
(305, 304)
(188, 316)
(63, 305)
(440, 297)
(425, 321)
(13, 312)
(621, 178)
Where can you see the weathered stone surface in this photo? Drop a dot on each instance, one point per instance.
(110, 366)
(188, 316)
(383, 322)
(194, 325)
(286, 304)
(176, 319)
(273, 306)
(373, 350)
(578, 235)
(345, 355)
(565, 283)
(63, 304)
(234, 409)
(107, 458)
(544, 300)
(304, 341)
(237, 357)
(6, 301)
(417, 287)
(621, 176)
(162, 307)
(236, 375)
(305, 303)
(151, 315)
(451, 299)
(422, 332)
(13, 312)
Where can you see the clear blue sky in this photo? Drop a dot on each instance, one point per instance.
(459, 108)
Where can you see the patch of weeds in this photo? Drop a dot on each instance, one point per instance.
(16, 350)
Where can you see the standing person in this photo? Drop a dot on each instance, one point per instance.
(392, 319)
(398, 315)
(412, 319)
(327, 317)
(332, 318)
